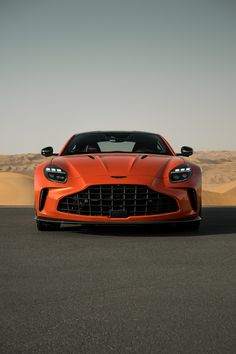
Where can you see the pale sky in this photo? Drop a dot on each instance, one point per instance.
(164, 66)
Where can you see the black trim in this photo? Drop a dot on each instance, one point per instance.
(74, 222)
(42, 198)
(193, 198)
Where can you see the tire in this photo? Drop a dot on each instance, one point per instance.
(48, 226)
(189, 226)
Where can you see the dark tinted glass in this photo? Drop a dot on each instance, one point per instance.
(111, 142)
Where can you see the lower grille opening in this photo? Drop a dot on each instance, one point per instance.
(42, 198)
(117, 199)
(193, 198)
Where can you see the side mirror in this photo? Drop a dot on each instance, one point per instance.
(47, 151)
(186, 151)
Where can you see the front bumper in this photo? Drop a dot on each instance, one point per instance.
(179, 192)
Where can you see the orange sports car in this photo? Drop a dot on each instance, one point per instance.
(117, 177)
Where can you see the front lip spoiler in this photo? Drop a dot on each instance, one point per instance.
(71, 222)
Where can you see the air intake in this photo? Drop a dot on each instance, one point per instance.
(117, 199)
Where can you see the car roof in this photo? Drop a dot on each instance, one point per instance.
(116, 131)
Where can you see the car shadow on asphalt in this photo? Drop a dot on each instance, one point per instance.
(216, 221)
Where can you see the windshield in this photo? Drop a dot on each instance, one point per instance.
(111, 142)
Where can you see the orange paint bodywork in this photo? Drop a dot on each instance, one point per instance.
(151, 171)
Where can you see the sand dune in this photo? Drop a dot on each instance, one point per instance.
(218, 168)
(229, 187)
(231, 191)
(218, 199)
(16, 189)
(20, 163)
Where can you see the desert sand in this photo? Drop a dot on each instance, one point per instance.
(218, 167)
(16, 189)
(218, 199)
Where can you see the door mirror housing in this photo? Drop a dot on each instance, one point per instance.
(47, 151)
(186, 151)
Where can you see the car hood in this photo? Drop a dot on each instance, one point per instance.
(118, 165)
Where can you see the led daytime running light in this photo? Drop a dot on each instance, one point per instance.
(180, 170)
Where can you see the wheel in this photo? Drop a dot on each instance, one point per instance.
(47, 226)
(189, 226)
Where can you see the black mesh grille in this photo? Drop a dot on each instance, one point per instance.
(122, 200)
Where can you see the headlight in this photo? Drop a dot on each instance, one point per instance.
(180, 173)
(55, 174)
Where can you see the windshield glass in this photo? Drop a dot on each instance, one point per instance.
(111, 142)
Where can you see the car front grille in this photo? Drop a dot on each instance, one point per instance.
(117, 200)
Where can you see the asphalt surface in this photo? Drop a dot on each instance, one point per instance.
(118, 290)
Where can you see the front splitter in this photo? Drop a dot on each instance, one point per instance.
(114, 222)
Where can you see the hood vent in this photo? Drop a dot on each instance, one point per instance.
(118, 176)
